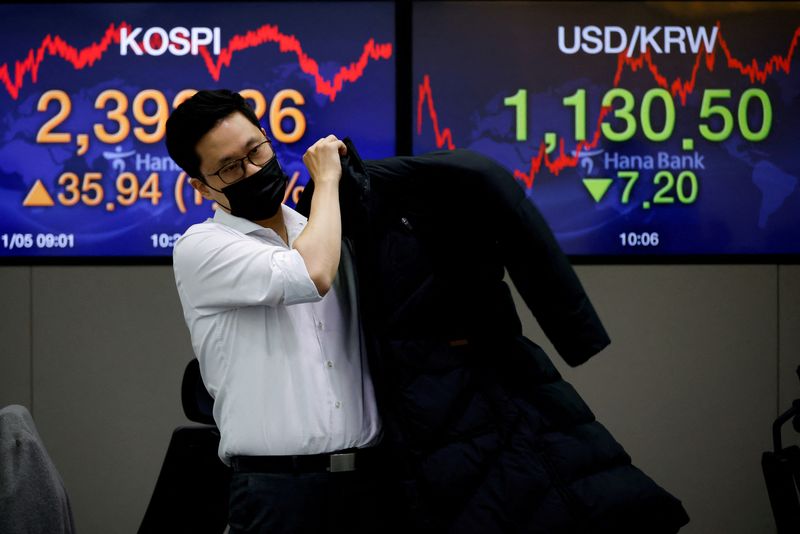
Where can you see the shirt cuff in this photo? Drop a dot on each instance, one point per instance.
(297, 284)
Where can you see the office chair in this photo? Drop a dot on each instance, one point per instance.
(191, 493)
(33, 498)
(782, 473)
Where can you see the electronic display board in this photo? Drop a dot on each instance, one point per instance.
(85, 91)
(638, 128)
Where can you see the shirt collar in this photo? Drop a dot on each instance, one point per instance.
(294, 223)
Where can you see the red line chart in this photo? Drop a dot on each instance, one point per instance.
(55, 46)
(290, 44)
(678, 87)
(426, 95)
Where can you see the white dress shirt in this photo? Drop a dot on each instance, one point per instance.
(286, 367)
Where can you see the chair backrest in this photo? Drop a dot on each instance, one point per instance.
(32, 495)
(198, 405)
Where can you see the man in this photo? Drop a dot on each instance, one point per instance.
(269, 299)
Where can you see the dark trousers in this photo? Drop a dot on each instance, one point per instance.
(305, 502)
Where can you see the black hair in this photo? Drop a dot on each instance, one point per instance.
(194, 118)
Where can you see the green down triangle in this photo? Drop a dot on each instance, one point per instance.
(597, 187)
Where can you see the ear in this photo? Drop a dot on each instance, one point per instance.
(263, 131)
(201, 188)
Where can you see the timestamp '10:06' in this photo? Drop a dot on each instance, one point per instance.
(637, 239)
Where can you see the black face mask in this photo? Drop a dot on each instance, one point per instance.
(259, 196)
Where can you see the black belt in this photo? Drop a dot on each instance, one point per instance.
(333, 462)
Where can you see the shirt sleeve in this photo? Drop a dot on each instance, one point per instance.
(216, 270)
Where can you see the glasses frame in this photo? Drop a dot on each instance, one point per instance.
(240, 162)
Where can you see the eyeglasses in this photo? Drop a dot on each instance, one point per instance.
(234, 171)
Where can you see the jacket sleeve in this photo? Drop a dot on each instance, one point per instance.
(538, 267)
(543, 275)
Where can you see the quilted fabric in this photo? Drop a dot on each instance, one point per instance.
(484, 434)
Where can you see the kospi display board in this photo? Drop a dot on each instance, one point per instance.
(638, 128)
(85, 91)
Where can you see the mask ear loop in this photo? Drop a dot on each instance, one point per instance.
(217, 201)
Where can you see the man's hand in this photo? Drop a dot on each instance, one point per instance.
(321, 240)
(322, 160)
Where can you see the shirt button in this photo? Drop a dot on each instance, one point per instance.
(338, 404)
(320, 325)
(329, 363)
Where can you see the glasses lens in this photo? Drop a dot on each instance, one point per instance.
(232, 172)
(260, 154)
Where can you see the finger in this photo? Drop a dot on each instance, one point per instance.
(342, 148)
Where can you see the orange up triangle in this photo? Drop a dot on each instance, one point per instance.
(38, 196)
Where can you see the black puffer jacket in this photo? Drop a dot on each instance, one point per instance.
(483, 433)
